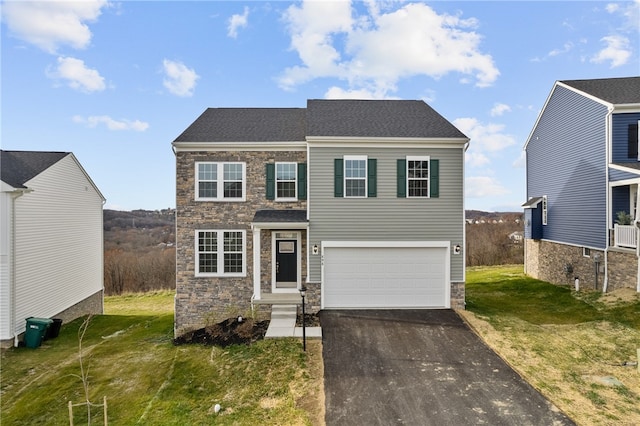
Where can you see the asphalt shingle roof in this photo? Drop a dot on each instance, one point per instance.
(377, 118)
(285, 216)
(18, 167)
(330, 118)
(624, 90)
(246, 125)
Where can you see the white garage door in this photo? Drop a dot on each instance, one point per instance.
(385, 277)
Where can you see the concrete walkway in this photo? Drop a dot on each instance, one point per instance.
(283, 324)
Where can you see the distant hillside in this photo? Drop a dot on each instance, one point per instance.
(478, 215)
(146, 219)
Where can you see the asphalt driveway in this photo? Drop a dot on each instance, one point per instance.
(421, 367)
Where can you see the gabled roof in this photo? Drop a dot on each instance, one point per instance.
(246, 125)
(617, 91)
(377, 119)
(321, 118)
(18, 167)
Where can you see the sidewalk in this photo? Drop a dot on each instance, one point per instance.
(283, 324)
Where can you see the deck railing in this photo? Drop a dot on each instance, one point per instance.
(625, 236)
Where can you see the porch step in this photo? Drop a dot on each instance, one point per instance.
(283, 324)
(278, 299)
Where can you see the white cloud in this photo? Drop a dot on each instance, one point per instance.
(521, 161)
(238, 21)
(51, 24)
(179, 80)
(377, 49)
(484, 137)
(77, 75)
(111, 124)
(499, 109)
(617, 51)
(483, 186)
(476, 159)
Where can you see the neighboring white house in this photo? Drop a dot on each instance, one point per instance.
(51, 240)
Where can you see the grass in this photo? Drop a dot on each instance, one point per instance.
(147, 380)
(564, 343)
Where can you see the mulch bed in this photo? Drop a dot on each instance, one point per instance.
(225, 333)
(311, 320)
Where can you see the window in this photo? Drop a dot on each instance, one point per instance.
(355, 176)
(286, 181)
(632, 150)
(586, 252)
(220, 181)
(220, 253)
(544, 209)
(417, 177)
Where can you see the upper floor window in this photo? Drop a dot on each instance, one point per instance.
(220, 181)
(417, 177)
(355, 176)
(286, 174)
(286, 181)
(220, 253)
(633, 131)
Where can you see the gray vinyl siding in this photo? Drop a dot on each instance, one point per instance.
(566, 161)
(620, 136)
(386, 217)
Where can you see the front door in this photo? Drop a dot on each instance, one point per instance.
(286, 263)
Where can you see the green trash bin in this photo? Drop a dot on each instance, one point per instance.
(36, 329)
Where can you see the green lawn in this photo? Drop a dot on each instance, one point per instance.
(565, 343)
(147, 380)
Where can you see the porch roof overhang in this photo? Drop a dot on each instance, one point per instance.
(280, 219)
(532, 203)
(627, 167)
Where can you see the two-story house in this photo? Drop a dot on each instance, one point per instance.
(360, 201)
(583, 173)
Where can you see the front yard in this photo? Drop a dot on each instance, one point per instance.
(578, 349)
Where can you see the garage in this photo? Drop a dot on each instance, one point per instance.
(385, 275)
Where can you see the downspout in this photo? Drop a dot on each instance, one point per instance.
(608, 144)
(636, 222)
(12, 263)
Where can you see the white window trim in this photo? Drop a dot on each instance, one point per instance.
(418, 158)
(220, 182)
(545, 209)
(295, 180)
(366, 175)
(220, 245)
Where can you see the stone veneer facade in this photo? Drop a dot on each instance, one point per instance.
(561, 264)
(200, 298)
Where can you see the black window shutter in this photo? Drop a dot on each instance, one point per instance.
(402, 178)
(434, 190)
(633, 141)
(338, 177)
(372, 177)
(302, 181)
(271, 181)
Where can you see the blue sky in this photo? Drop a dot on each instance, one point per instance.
(115, 82)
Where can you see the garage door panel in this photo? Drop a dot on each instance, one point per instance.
(385, 277)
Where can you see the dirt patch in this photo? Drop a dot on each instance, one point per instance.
(232, 331)
(310, 320)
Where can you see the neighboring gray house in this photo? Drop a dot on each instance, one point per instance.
(360, 201)
(51, 240)
(583, 174)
